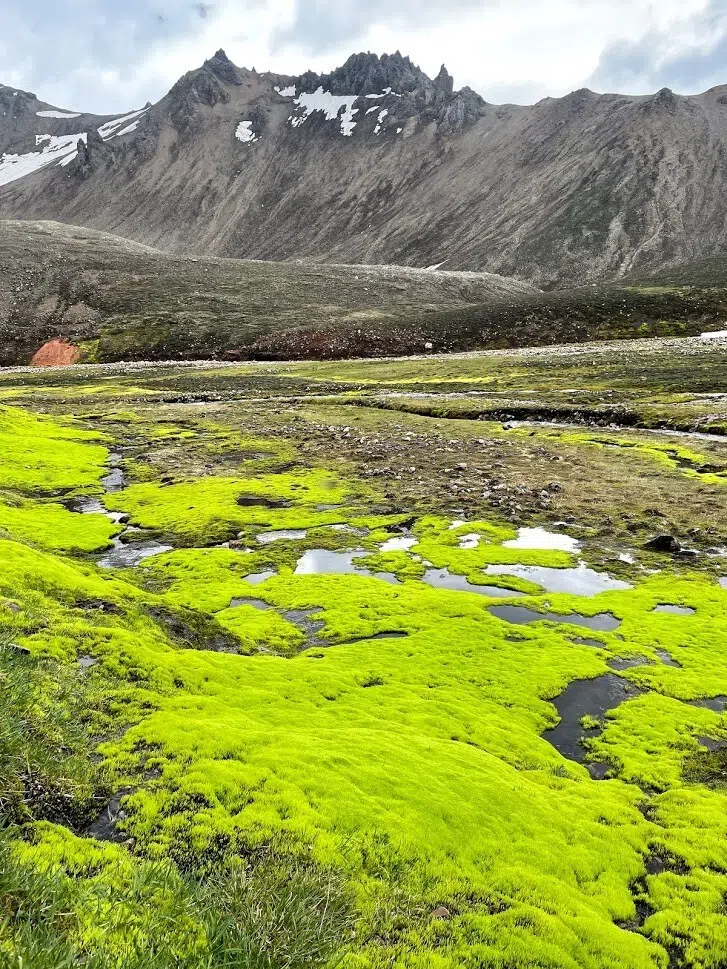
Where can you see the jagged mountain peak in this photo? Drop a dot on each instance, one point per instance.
(377, 162)
(366, 73)
(221, 65)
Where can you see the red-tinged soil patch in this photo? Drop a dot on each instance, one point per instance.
(56, 353)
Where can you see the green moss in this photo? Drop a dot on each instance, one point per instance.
(53, 527)
(40, 455)
(207, 509)
(416, 764)
(262, 631)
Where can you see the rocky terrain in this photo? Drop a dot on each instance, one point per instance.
(69, 294)
(377, 163)
(119, 300)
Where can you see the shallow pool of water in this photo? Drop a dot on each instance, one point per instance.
(716, 703)
(580, 581)
(255, 578)
(255, 603)
(283, 534)
(540, 538)
(581, 698)
(444, 579)
(256, 501)
(398, 544)
(602, 622)
(675, 610)
(320, 561)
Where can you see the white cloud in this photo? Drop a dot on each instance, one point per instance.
(506, 49)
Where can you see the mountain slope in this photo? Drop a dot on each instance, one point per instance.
(119, 300)
(376, 163)
(123, 300)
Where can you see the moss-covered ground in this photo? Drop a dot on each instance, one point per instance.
(220, 758)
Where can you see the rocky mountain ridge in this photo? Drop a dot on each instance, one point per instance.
(378, 163)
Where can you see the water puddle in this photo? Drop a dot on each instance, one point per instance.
(255, 603)
(301, 618)
(580, 581)
(320, 561)
(723, 581)
(585, 641)
(284, 534)
(675, 610)
(582, 698)
(711, 744)
(666, 658)
(86, 662)
(627, 663)
(393, 634)
(350, 529)
(254, 501)
(444, 579)
(602, 622)
(716, 703)
(257, 578)
(540, 538)
(469, 542)
(399, 544)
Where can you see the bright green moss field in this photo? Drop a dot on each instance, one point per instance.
(410, 769)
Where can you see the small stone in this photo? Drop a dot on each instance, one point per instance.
(441, 913)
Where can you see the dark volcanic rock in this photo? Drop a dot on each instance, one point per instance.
(369, 74)
(222, 66)
(664, 543)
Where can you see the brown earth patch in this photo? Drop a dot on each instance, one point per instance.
(56, 353)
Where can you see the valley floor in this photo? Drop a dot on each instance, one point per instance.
(367, 664)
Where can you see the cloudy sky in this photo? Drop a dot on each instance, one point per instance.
(107, 56)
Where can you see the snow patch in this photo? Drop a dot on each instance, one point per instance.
(114, 127)
(375, 107)
(331, 105)
(382, 115)
(56, 148)
(286, 92)
(56, 114)
(714, 335)
(128, 129)
(244, 132)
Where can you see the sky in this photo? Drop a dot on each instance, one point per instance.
(108, 56)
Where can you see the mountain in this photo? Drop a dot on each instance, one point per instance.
(117, 300)
(70, 293)
(378, 163)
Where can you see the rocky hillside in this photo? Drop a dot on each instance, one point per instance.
(377, 163)
(119, 300)
(68, 293)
